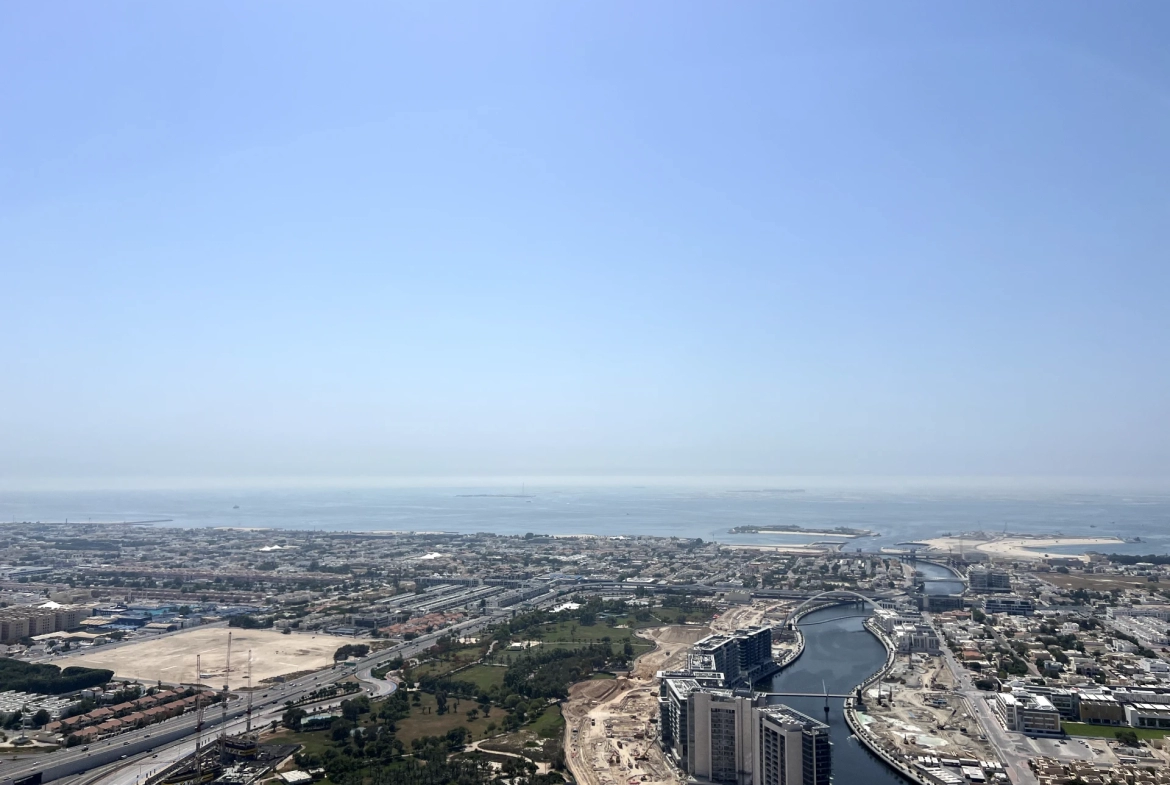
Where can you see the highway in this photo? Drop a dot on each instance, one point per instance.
(1013, 748)
(170, 740)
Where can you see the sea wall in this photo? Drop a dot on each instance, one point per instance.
(870, 740)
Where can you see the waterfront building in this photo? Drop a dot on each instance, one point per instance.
(915, 638)
(673, 710)
(940, 603)
(743, 657)
(793, 748)
(719, 735)
(988, 579)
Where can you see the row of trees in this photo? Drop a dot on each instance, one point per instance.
(49, 679)
(548, 673)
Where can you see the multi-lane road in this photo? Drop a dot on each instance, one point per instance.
(128, 757)
(1012, 748)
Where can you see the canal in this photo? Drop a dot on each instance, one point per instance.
(839, 653)
(939, 579)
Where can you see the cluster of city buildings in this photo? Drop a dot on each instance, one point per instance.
(30, 621)
(111, 720)
(715, 734)
(909, 632)
(1134, 769)
(717, 729)
(740, 658)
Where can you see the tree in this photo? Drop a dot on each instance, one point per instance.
(341, 729)
(351, 650)
(41, 718)
(1127, 737)
(292, 717)
(456, 738)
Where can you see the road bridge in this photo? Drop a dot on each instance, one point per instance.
(809, 694)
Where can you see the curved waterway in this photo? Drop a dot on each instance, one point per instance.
(939, 579)
(839, 653)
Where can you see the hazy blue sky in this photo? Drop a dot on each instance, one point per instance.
(339, 239)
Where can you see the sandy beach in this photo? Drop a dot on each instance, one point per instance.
(1015, 546)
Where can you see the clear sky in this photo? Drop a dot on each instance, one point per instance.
(306, 239)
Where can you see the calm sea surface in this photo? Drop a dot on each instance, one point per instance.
(663, 512)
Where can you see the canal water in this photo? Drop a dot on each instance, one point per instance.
(939, 579)
(839, 654)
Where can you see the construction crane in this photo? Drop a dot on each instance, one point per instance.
(227, 671)
(198, 720)
(248, 727)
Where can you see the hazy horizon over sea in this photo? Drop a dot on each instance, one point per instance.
(894, 515)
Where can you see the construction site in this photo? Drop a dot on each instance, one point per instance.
(168, 659)
(914, 709)
(233, 759)
(611, 725)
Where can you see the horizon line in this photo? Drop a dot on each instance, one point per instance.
(746, 482)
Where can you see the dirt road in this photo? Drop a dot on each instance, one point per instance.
(611, 725)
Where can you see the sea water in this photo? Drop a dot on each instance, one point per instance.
(690, 512)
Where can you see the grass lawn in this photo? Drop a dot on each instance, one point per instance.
(573, 635)
(669, 614)
(420, 724)
(315, 743)
(482, 676)
(568, 631)
(1108, 731)
(549, 724)
(443, 667)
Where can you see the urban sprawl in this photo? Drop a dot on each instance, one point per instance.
(149, 655)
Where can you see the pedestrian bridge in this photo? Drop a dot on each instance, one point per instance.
(833, 594)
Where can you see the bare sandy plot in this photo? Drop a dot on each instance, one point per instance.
(171, 659)
(1019, 547)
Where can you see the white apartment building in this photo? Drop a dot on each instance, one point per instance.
(1026, 713)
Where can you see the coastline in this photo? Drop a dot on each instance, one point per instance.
(1018, 546)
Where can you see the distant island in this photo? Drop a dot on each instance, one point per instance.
(843, 531)
(493, 496)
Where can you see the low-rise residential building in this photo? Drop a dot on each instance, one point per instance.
(1027, 713)
(1013, 605)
